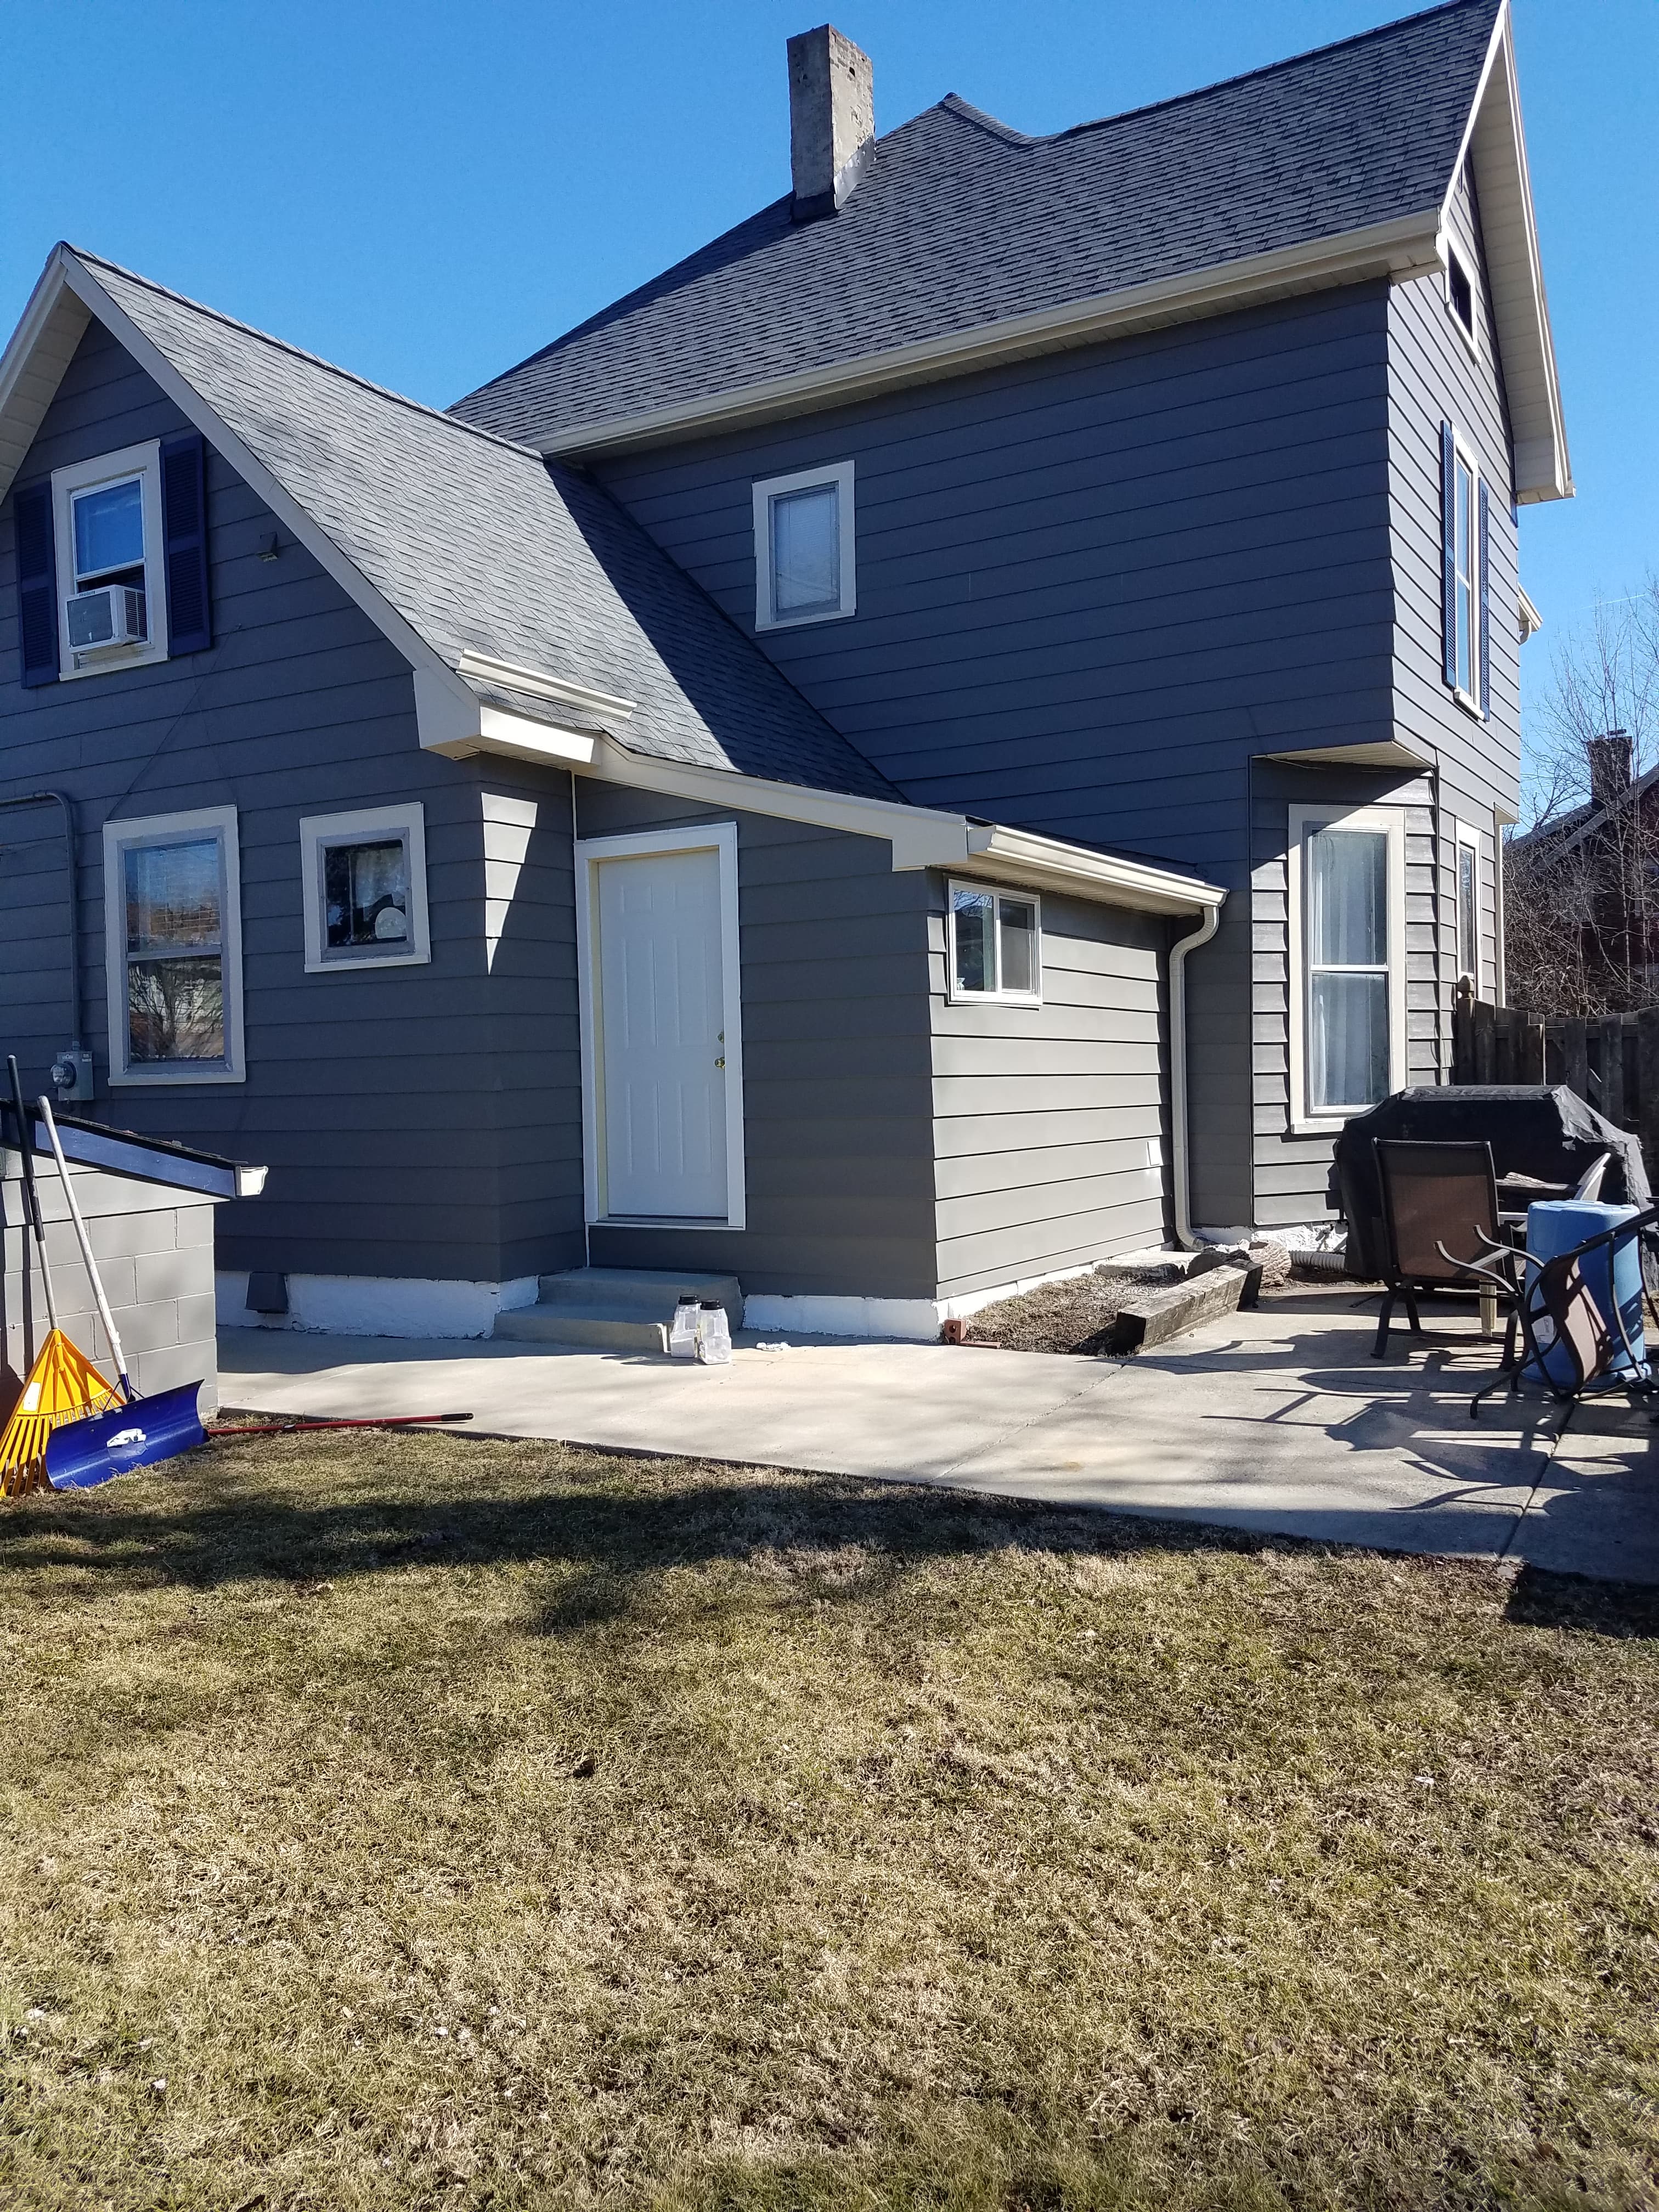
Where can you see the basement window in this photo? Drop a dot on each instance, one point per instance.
(804, 541)
(995, 946)
(364, 877)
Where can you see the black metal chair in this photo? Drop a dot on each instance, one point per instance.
(1561, 1318)
(1431, 1192)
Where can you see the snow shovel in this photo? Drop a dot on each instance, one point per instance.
(134, 1433)
(63, 1387)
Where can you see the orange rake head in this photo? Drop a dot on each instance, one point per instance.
(63, 1385)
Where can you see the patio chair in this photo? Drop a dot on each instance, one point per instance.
(1431, 1192)
(1561, 1319)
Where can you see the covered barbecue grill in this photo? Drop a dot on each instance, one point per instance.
(1543, 1137)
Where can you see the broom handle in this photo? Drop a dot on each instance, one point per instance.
(30, 1198)
(104, 1312)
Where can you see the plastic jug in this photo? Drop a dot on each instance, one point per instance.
(714, 1336)
(683, 1331)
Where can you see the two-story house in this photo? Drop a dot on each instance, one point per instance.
(935, 743)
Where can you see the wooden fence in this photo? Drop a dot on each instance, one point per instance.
(1611, 1062)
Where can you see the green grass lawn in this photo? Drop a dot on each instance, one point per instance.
(394, 1822)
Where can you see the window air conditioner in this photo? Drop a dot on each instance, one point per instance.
(111, 616)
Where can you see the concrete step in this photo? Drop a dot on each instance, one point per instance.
(615, 1309)
(615, 1330)
(652, 1291)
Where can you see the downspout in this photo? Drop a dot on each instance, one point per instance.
(1180, 1175)
(48, 799)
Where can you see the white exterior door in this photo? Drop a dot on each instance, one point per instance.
(660, 1036)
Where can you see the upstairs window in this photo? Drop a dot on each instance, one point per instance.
(1466, 532)
(804, 541)
(1459, 296)
(110, 574)
(995, 946)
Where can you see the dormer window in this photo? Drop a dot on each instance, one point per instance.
(1459, 296)
(111, 594)
(804, 541)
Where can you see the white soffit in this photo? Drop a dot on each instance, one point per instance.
(1497, 147)
(1383, 752)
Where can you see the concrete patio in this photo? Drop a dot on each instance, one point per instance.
(1277, 1420)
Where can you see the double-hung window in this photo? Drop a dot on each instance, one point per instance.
(1469, 906)
(1347, 875)
(804, 544)
(1465, 513)
(364, 883)
(172, 949)
(110, 572)
(995, 948)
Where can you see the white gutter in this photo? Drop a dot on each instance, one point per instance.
(1179, 1174)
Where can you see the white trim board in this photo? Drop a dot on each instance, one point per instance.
(591, 853)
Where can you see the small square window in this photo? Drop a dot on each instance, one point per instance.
(1460, 294)
(365, 888)
(803, 540)
(174, 951)
(995, 946)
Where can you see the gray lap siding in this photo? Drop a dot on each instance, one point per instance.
(388, 1106)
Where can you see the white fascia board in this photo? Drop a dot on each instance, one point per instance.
(1404, 248)
(1495, 142)
(537, 683)
(920, 838)
(31, 366)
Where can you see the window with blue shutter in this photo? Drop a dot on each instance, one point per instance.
(37, 584)
(184, 522)
(1449, 554)
(1485, 606)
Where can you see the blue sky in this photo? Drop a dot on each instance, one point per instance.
(425, 192)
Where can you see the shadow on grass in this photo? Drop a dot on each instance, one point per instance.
(213, 1526)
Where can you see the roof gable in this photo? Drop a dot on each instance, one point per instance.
(968, 241)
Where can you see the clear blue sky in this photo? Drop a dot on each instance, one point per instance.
(428, 190)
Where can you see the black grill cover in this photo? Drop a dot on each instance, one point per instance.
(1541, 1130)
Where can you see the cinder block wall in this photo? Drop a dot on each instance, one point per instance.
(154, 1251)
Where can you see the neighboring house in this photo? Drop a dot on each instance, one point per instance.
(926, 746)
(1585, 886)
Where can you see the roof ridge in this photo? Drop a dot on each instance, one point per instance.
(958, 106)
(301, 353)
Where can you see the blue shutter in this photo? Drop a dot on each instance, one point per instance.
(1449, 555)
(183, 527)
(37, 584)
(1485, 609)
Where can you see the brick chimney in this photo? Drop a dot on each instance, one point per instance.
(832, 120)
(1609, 766)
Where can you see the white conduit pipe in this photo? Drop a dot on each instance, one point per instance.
(1180, 1169)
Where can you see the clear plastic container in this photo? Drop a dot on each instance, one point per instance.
(714, 1336)
(683, 1331)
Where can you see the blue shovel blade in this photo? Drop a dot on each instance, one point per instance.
(80, 1453)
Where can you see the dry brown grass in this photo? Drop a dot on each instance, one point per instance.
(400, 1822)
(1075, 1315)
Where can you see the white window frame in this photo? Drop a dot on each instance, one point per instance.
(721, 838)
(1463, 455)
(159, 829)
(839, 474)
(955, 995)
(1467, 839)
(144, 462)
(1454, 253)
(1391, 821)
(318, 831)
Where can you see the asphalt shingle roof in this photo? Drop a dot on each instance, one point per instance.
(480, 544)
(963, 221)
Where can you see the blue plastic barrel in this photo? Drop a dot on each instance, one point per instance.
(1557, 1224)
